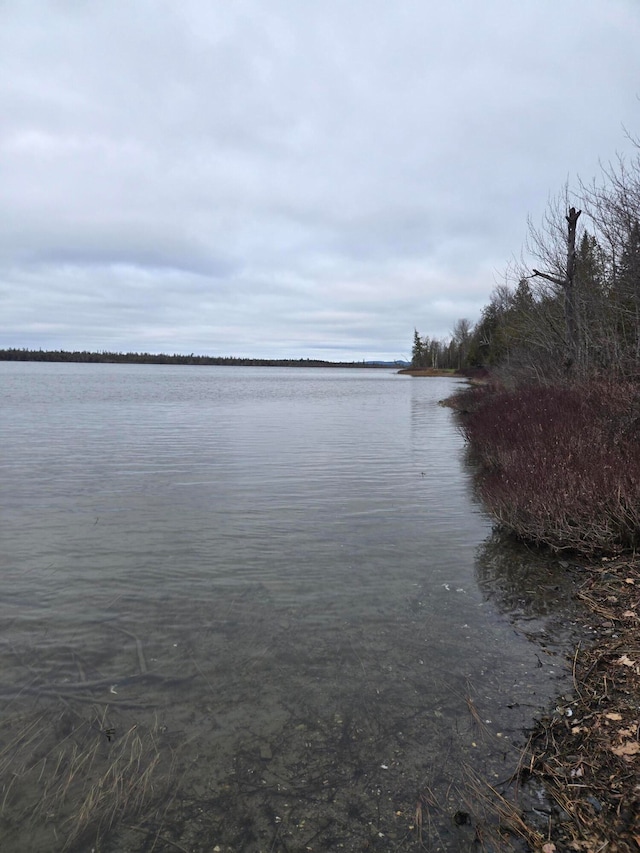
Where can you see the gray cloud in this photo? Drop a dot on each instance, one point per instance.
(286, 179)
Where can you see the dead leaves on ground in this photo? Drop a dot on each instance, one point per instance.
(622, 742)
(625, 660)
(592, 766)
(626, 749)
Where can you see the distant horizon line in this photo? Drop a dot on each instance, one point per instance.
(132, 357)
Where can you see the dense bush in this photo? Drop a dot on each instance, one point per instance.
(560, 466)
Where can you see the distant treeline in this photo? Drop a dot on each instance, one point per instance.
(161, 358)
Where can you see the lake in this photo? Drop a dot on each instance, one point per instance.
(255, 609)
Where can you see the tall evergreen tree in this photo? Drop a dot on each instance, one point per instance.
(417, 351)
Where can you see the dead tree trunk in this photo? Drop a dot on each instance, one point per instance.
(567, 283)
(569, 289)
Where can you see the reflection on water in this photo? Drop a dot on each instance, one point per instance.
(260, 601)
(532, 586)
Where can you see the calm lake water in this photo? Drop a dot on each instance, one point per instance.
(250, 609)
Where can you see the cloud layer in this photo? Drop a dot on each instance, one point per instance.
(285, 179)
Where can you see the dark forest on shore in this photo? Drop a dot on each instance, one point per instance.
(85, 357)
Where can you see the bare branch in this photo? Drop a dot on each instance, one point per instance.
(550, 278)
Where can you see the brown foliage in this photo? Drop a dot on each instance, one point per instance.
(560, 466)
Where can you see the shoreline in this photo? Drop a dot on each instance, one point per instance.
(586, 753)
(429, 371)
(583, 756)
(575, 785)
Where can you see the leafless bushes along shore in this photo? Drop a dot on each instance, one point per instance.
(560, 466)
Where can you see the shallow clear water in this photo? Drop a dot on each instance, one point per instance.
(281, 576)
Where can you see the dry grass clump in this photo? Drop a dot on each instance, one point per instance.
(560, 466)
(67, 781)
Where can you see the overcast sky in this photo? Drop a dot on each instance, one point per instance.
(289, 178)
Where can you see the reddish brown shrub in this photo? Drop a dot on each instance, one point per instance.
(561, 466)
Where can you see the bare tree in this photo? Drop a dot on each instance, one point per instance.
(566, 282)
(612, 201)
(462, 338)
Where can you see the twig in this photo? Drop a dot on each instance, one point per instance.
(142, 663)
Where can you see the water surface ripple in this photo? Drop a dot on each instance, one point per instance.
(285, 570)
